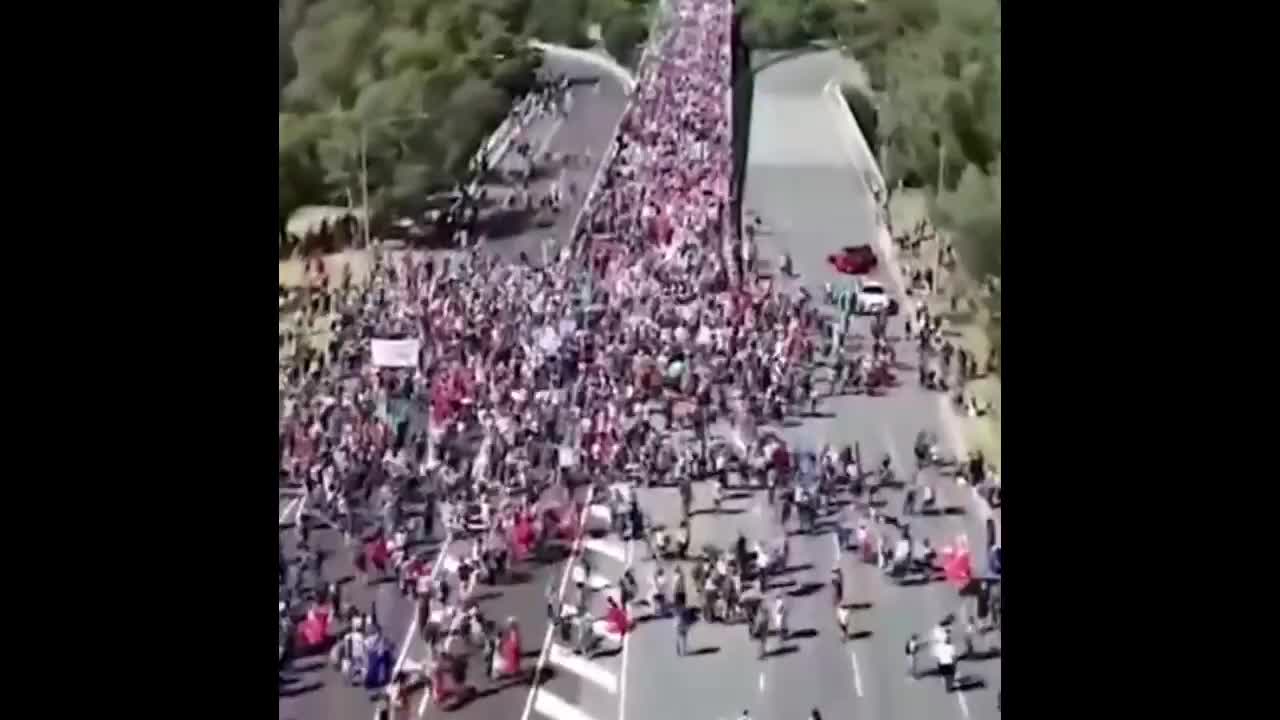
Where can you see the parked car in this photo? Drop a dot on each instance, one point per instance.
(870, 297)
(854, 259)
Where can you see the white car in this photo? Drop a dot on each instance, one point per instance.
(870, 297)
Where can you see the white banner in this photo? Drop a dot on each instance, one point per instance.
(395, 353)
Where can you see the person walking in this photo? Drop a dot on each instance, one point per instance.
(679, 592)
(682, 632)
(913, 652)
(759, 628)
(551, 596)
(945, 654)
(842, 622)
(657, 594)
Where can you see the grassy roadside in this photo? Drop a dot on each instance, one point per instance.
(975, 326)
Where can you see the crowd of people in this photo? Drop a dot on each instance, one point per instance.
(603, 366)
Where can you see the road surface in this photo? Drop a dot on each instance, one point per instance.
(598, 99)
(812, 200)
(311, 691)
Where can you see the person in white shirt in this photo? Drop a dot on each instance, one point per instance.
(945, 654)
(780, 618)
(938, 635)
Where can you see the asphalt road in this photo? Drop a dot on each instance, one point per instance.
(598, 101)
(813, 201)
(311, 691)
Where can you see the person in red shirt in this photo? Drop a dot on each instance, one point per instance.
(617, 618)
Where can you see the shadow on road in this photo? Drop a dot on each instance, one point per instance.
(301, 689)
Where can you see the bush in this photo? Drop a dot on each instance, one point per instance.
(559, 21)
(623, 35)
(774, 25)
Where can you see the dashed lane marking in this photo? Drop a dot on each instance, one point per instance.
(550, 705)
(584, 668)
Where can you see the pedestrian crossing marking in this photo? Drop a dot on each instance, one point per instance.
(584, 668)
(596, 581)
(604, 630)
(549, 705)
(450, 564)
(606, 548)
(598, 511)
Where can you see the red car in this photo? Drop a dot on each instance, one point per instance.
(854, 260)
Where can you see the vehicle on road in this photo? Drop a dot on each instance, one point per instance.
(854, 260)
(870, 298)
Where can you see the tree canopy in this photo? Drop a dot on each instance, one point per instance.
(422, 81)
(934, 70)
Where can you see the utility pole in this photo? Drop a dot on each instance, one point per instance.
(942, 162)
(364, 163)
(364, 180)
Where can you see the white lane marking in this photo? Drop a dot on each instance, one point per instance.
(606, 548)
(602, 629)
(450, 564)
(413, 624)
(596, 179)
(964, 704)
(626, 647)
(289, 508)
(835, 540)
(596, 581)
(550, 705)
(536, 693)
(458, 617)
(555, 128)
(857, 676)
(761, 681)
(582, 667)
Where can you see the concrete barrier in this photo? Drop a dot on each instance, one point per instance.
(859, 153)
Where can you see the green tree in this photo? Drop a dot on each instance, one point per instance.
(936, 67)
(623, 34)
(972, 213)
(774, 24)
(558, 21)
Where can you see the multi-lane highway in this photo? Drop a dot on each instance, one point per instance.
(598, 97)
(802, 180)
(312, 691)
(805, 183)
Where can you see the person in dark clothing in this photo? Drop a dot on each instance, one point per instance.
(913, 653)
(759, 627)
(682, 631)
(637, 520)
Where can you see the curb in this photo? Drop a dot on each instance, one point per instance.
(602, 62)
(860, 154)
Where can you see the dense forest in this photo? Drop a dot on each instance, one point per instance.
(933, 115)
(424, 81)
